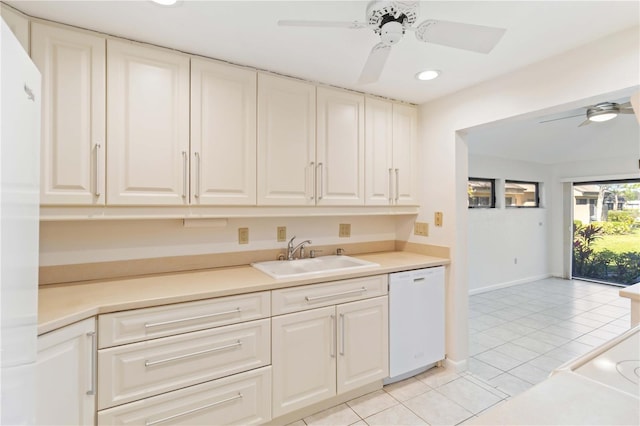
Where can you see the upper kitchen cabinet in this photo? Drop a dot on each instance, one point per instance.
(391, 145)
(405, 155)
(72, 64)
(340, 148)
(286, 141)
(223, 134)
(18, 24)
(147, 125)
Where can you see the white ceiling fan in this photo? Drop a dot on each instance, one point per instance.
(391, 19)
(603, 111)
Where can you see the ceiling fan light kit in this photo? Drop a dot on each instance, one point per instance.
(391, 19)
(603, 112)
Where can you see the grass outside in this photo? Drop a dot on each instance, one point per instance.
(619, 243)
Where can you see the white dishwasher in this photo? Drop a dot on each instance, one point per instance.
(416, 321)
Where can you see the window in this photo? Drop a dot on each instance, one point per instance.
(481, 193)
(521, 194)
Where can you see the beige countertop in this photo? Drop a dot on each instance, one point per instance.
(63, 304)
(632, 292)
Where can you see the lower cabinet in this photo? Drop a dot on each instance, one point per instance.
(322, 352)
(239, 399)
(65, 374)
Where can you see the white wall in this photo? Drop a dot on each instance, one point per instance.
(508, 245)
(64, 243)
(569, 80)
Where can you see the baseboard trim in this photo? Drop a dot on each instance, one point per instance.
(509, 284)
(457, 366)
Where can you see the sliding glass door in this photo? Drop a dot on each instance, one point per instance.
(606, 231)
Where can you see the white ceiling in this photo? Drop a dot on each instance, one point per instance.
(246, 33)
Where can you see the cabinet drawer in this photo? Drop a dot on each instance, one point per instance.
(139, 370)
(241, 399)
(316, 295)
(142, 324)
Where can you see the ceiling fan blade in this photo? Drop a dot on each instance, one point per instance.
(585, 123)
(626, 108)
(354, 25)
(634, 100)
(562, 118)
(476, 38)
(375, 64)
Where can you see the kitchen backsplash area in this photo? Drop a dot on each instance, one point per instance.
(81, 250)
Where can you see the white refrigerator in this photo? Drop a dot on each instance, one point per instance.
(19, 221)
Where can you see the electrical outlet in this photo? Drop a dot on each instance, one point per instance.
(282, 233)
(438, 219)
(345, 230)
(243, 235)
(421, 228)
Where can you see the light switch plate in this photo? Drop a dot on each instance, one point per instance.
(282, 233)
(345, 230)
(438, 219)
(243, 235)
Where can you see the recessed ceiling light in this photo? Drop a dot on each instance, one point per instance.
(428, 75)
(165, 2)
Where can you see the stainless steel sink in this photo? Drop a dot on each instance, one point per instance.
(303, 267)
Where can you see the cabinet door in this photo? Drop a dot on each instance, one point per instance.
(65, 374)
(405, 129)
(379, 152)
(223, 134)
(18, 24)
(363, 343)
(340, 148)
(73, 115)
(303, 359)
(147, 125)
(286, 141)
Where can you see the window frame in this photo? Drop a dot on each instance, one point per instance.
(526, 182)
(492, 204)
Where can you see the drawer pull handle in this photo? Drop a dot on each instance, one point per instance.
(179, 357)
(159, 324)
(418, 279)
(195, 410)
(328, 296)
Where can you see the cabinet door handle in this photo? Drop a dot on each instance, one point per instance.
(197, 156)
(390, 186)
(333, 336)
(327, 296)
(194, 410)
(397, 185)
(158, 324)
(310, 183)
(342, 334)
(320, 178)
(148, 363)
(94, 355)
(184, 174)
(97, 170)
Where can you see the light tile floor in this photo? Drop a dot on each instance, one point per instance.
(517, 336)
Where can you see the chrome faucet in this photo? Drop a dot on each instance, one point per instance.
(291, 250)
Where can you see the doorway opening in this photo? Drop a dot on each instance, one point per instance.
(606, 231)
